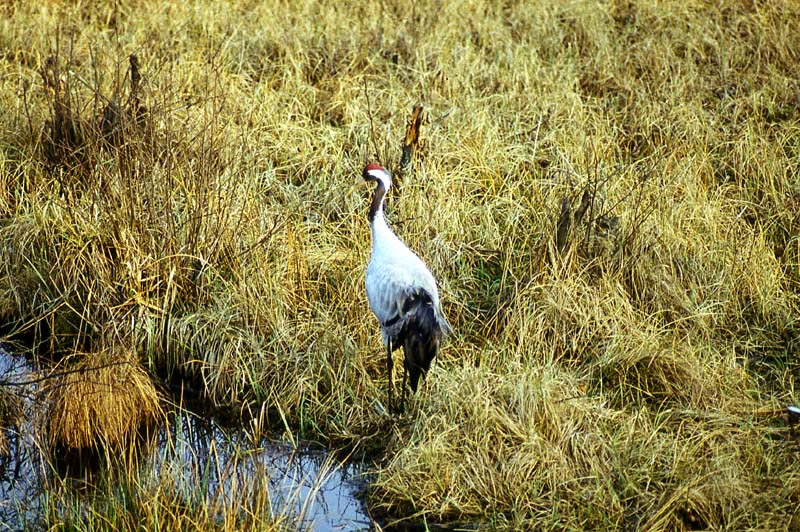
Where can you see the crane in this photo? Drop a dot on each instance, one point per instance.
(402, 293)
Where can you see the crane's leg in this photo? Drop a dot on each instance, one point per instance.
(403, 400)
(389, 366)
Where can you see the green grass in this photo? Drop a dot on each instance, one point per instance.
(632, 379)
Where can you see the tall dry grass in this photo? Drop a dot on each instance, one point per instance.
(629, 374)
(99, 403)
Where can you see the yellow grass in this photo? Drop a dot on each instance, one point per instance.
(629, 376)
(99, 402)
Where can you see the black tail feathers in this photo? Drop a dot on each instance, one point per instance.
(421, 339)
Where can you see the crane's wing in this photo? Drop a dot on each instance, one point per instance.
(393, 289)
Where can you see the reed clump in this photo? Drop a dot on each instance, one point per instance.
(606, 192)
(99, 403)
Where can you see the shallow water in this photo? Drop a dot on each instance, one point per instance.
(308, 484)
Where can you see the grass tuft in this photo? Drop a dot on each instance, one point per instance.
(99, 403)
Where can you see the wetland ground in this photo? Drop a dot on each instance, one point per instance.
(607, 191)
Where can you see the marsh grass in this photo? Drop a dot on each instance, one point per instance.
(100, 403)
(9, 417)
(180, 485)
(627, 374)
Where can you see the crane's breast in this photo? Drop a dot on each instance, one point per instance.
(382, 292)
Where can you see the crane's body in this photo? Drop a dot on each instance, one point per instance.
(402, 293)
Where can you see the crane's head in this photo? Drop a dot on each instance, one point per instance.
(379, 174)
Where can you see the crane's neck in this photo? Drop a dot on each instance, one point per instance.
(383, 238)
(376, 208)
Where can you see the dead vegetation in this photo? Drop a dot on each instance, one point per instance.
(607, 193)
(99, 403)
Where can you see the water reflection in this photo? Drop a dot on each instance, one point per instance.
(309, 483)
(22, 469)
(223, 467)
